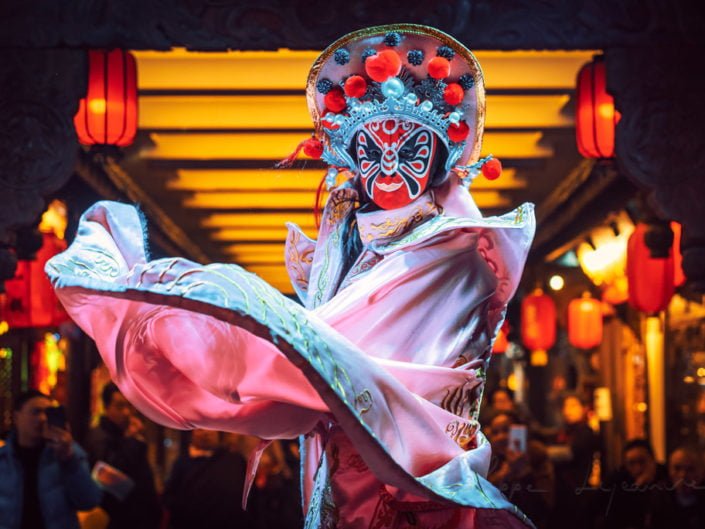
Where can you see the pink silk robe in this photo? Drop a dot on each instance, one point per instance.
(364, 370)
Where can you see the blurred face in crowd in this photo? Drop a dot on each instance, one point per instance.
(685, 469)
(205, 439)
(573, 410)
(119, 411)
(501, 401)
(638, 461)
(31, 421)
(498, 433)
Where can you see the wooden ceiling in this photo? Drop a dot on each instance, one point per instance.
(212, 125)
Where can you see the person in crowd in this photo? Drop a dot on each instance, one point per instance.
(572, 455)
(525, 476)
(502, 399)
(206, 485)
(624, 499)
(682, 504)
(44, 474)
(117, 443)
(275, 492)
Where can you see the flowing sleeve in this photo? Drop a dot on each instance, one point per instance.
(215, 346)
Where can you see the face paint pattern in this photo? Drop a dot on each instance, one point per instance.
(395, 158)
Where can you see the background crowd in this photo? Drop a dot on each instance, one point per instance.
(553, 474)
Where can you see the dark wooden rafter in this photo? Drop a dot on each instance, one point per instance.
(273, 24)
(106, 176)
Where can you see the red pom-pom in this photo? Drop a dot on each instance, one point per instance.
(459, 132)
(491, 169)
(383, 65)
(335, 100)
(439, 67)
(453, 94)
(355, 86)
(313, 148)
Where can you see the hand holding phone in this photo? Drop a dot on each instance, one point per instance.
(517, 438)
(56, 417)
(57, 433)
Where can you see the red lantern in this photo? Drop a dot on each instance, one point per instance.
(650, 279)
(596, 116)
(538, 323)
(501, 342)
(678, 275)
(585, 322)
(108, 113)
(30, 300)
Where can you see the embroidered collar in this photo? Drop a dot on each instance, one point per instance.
(383, 226)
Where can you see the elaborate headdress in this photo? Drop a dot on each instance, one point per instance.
(405, 71)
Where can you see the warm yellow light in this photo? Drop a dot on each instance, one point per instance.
(539, 358)
(297, 200)
(606, 263)
(97, 106)
(54, 219)
(701, 372)
(688, 379)
(243, 70)
(291, 112)
(512, 382)
(606, 110)
(264, 219)
(278, 145)
(5, 353)
(4, 327)
(251, 234)
(641, 407)
(293, 179)
(556, 282)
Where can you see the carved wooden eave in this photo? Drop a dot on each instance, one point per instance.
(263, 24)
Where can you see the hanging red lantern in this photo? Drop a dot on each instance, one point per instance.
(29, 298)
(501, 342)
(108, 113)
(538, 325)
(595, 117)
(585, 322)
(651, 280)
(678, 275)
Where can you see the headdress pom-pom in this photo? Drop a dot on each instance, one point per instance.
(492, 169)
(313, 148)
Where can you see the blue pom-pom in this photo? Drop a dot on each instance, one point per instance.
(415, 57)
(392, 39)
(467, 81)
(367, 53)
(446, 52)
(342, 56)
(324, 85)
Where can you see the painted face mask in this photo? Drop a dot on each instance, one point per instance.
(395, 158)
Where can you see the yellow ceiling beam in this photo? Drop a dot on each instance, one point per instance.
(296, 200)
(253, 70)
(255, 234)
(249, 249)
(261, 220)
(276, 146)
(290, 111)
(301, 180)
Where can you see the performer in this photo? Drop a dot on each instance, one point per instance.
(381, 371)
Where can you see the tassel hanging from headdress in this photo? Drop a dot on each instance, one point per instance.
(490, 167)
(312, 147)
